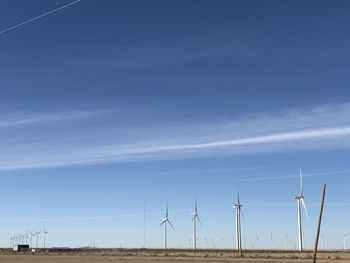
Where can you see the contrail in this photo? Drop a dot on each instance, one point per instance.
(38, 17)
(272, 138)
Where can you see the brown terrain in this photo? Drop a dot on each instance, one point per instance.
(153, 255)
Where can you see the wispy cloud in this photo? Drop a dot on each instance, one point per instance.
(292, 176)
(13, 121)
(107, 141)
(147, 55)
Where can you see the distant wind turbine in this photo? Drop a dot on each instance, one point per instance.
(45, 233)
(165, 224)
(257, 240)
(189, 242)
(344, 241)
(271, 241)
(206, 242)
(27, 237)
(31, 238)
(300, 201)
(194, 226)
(322, 237)
(37, 238)
(238, 206)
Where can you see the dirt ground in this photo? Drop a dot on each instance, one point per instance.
(114, 259)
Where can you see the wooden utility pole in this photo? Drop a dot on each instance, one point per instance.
(319, 224)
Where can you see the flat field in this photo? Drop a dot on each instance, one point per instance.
(175, 256)
(103, 259)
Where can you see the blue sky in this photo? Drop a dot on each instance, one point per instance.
(110, 109)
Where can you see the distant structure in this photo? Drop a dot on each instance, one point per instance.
(238, 207)
(286, 244)
(45, 233)
(344, 241)
(322, 240)
(165, 224)
(257, 240)
(37, 233)
(300, 201)
(194, 226)
(31, 238)
(189, 242)
(213, 243)
(18, 248)
(271, 241)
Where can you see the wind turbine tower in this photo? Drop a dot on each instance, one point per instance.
(271, 241)
(194, 225)
(165, 224)
(257, 240)
(238, 206)
(300, 202)
(45, 233)
(31, 238)
(37, 238)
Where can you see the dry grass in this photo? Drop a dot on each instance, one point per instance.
(172, 256)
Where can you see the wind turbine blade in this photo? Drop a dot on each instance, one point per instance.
(195, 206)
(163, 222)
(199, 221)
(307, 214)
(301, 181)
(242, 214)
(238, 197)
(171, 225)
(167, 211)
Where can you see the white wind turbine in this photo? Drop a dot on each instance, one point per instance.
(165, 223)
(37, 238)
(300, 201)
(194, 225)
(45, 233)
(257, 240)
(238, 206)
(213, 242)
(31, 238)
(27, 237)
